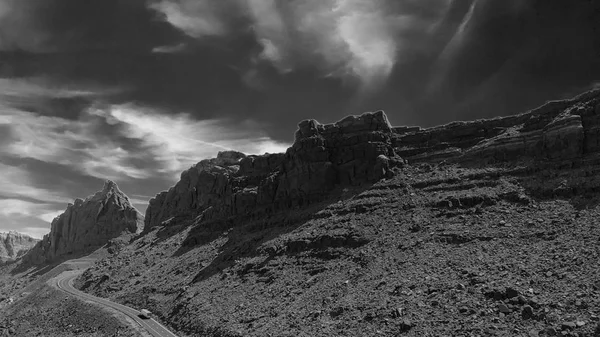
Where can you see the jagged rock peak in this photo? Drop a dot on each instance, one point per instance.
(89, 224)
(110, 188)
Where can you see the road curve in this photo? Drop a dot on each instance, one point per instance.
(64, 282)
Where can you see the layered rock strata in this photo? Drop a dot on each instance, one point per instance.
(88, 224)
(559, 130)
(365, 148)
(13, 245)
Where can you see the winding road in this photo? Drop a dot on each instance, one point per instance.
(64, 282)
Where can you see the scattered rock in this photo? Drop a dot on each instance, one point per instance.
(568, 326)
(527, 312)
(503, 308)
(406, 325)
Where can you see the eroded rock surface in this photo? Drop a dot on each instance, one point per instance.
(13, 245)
(352, 151)
(88, 224)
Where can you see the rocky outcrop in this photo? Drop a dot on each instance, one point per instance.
(365, 148)
(13, 245)
(354, 150)
(559, 130)
(88, 224)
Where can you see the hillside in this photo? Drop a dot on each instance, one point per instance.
(483, 228)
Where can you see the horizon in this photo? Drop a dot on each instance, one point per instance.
(136, 92)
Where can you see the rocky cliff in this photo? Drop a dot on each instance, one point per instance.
(13, 245)
(362, 149)
(557, 131)
(355, 150)
(88, 224)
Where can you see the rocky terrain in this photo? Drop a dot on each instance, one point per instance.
(49, 313)
(482, 228)
(87, 225)
(13, 245)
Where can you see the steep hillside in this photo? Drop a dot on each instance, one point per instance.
(87, 225)
(13, 245)
(483, 228)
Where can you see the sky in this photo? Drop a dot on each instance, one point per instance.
(137, 91)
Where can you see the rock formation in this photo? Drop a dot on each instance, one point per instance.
(559, 130)
(13, 245)
(362, 149)
(88, 224)
(352, 151)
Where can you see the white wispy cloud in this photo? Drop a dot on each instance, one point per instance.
(16, 183)
(196, 18)
(15, 213)
(178, 141)
(122, 141)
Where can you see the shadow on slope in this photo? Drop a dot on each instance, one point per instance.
(245, 235)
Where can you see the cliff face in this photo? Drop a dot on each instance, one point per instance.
(13, 245)
(355, 150)
(88, 224)
(365, 148)
(557, 131)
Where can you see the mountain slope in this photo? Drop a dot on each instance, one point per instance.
(485, 228)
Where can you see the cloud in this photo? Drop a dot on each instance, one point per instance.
(198, 18)
(15, 183)
(171, 49)
(123, 141)
(44, 26)
(15, 212)
(177, 141)
(349, 39)
(49, 217)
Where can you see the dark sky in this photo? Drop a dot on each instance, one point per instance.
(138, 90)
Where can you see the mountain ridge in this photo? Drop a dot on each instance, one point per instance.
(365, 148)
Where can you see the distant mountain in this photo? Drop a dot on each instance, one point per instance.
(88, 224)
(13, 245)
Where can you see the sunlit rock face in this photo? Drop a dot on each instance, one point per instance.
(88, 224)
(366, 148)
(13, 245)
